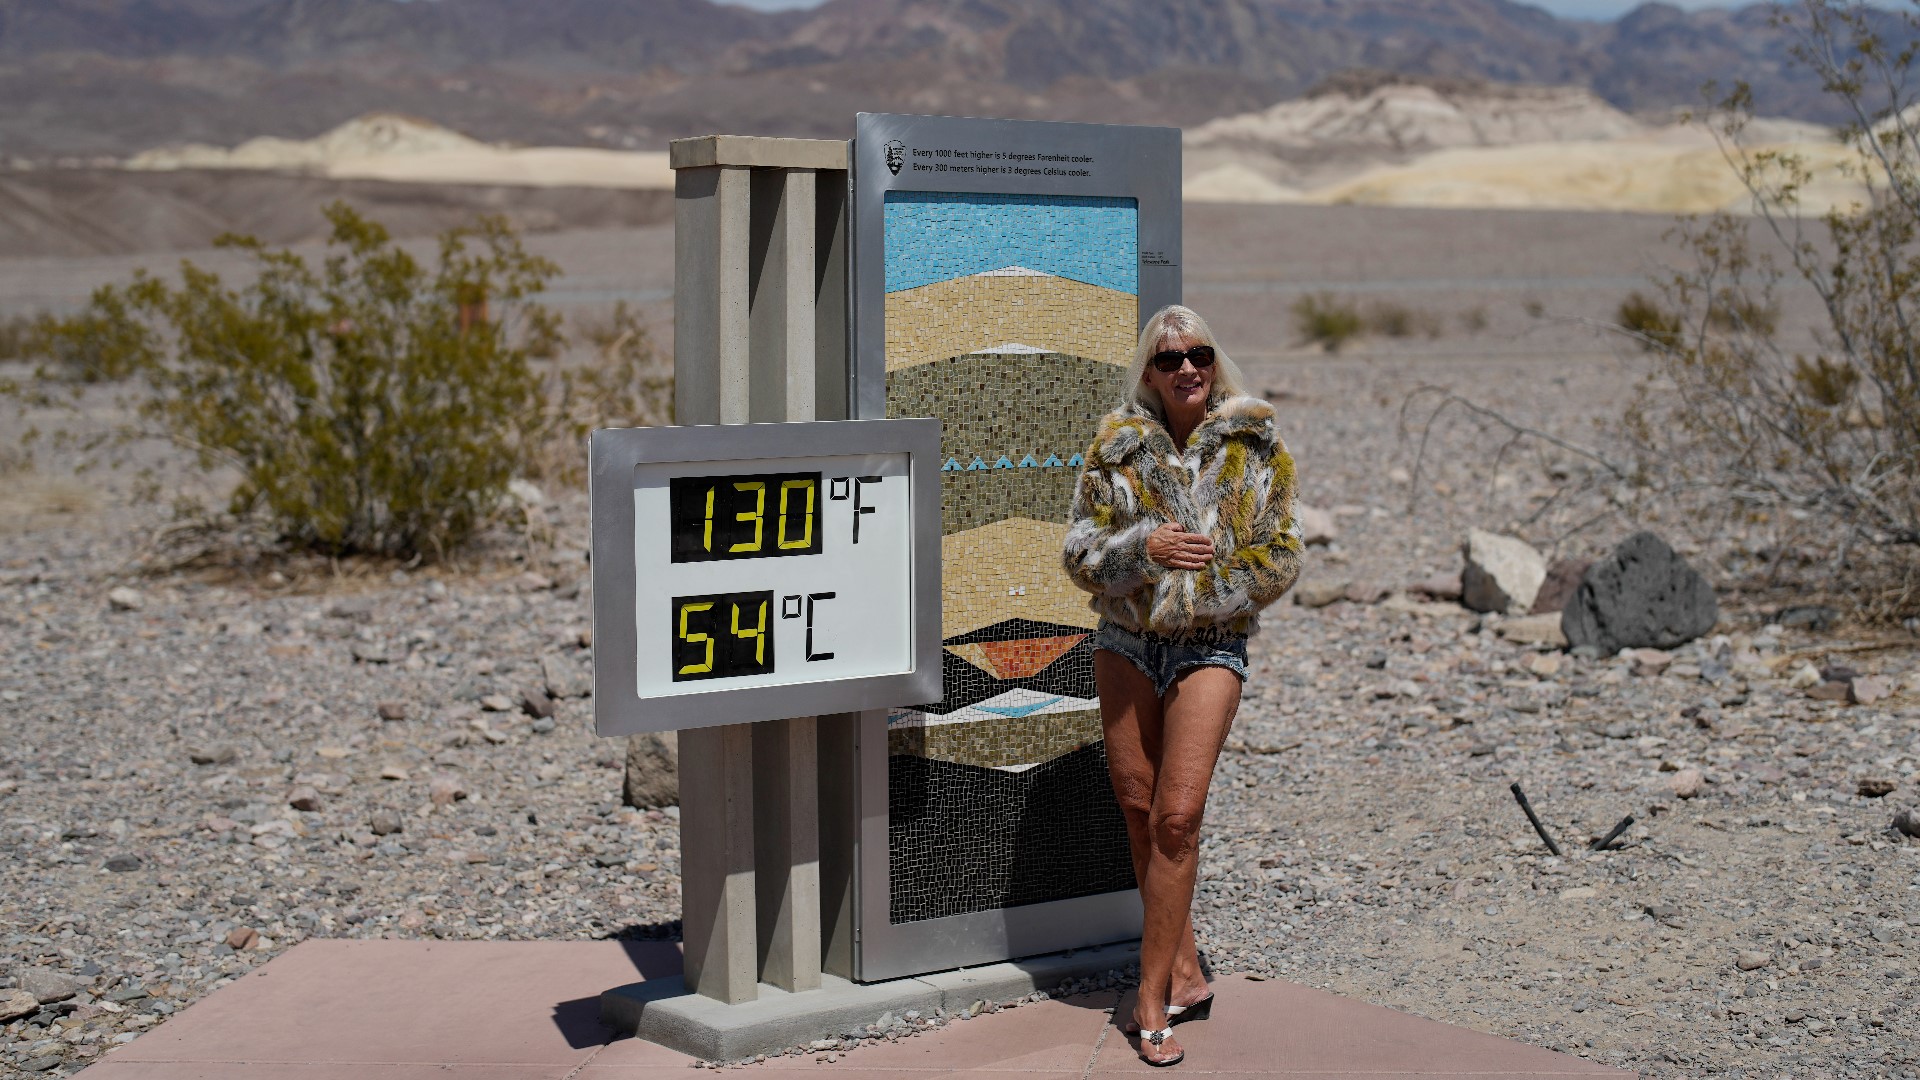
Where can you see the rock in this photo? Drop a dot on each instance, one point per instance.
(242, 937)
(15, 1004)
(1443, 586)
(48, 986)
(1641, 596)
(535, 702)
(1815, 617)
(1686, 783)
(126, 599)
(542, 726)
(1318, 594)
(393, 772)
(1532, 630)
(383, 823)
(445, 789)
(124, 863)
(1649, 661)
(1316, 526)
(392, 710)
(1502, 573)
(1563, 577)
(368, 652)
(525, 492)
(1805, 677)
(1366, 593)
(1874, 787)
(653, 770)
(1752, 961)
(1544, 665)
(304, 797)
(1867, 689)
(1830, 691)
(213, 755)
(1907, 821)
(351, 608)
(565, 679)
(497, 703)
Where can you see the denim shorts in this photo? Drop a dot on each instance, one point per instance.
(1162, 659)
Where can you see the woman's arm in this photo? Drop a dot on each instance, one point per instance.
(1264, 565)
(1106, 547)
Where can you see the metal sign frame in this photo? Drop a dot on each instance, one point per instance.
(613, 454)
(1141, 163)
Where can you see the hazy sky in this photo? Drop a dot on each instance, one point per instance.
(1574, 9)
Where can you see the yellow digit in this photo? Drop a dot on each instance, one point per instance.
(706, 538)
(758, 634)
(697, 638)
(806, 538)
(758, 515)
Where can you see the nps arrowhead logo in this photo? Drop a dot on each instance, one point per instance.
(896, 156)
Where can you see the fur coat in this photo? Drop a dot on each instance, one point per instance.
(1234, 482)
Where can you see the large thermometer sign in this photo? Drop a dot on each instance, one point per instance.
(760, 571)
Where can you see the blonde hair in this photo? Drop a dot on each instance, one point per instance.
(1170, 321)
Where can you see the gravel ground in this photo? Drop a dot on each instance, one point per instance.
(241, 753)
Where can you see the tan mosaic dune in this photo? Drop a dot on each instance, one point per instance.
(981, 312)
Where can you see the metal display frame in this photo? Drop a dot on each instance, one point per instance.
(613, 455)
(1140, 163)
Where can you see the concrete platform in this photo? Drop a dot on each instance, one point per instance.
(661, 1011)
(399, 1010)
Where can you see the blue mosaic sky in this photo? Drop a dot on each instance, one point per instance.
(935, 236)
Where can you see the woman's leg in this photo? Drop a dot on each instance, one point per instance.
(1131, 715)
(1196, 714)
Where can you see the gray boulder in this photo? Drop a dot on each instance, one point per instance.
(1643, 596)
(653, 770)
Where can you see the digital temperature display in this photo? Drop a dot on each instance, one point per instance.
(744, 517)
(764, 570)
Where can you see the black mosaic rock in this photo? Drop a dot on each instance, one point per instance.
(1643, 596)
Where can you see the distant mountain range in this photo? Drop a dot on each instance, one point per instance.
(85, 78)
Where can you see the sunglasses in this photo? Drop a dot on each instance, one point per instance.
(1169, 362)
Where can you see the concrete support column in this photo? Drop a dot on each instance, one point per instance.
(749, 280)
(712, 218)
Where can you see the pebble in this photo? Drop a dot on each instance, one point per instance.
(496, 703)
(1907, 821)
(1752, 961)
(124, 862)
(392, 710)
(1686, 783)
(1867, 690)
(213, 755)
(304, 797)
(1874, 787)
(126, 599)
(17, 1003)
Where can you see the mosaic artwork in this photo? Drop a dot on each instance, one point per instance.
(1011, 319)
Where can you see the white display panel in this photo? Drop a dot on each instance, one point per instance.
(703, 592)
(776, 619)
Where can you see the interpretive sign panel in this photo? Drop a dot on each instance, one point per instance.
(1002, 271)
(760, 571)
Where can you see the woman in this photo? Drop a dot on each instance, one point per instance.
(1183, 530)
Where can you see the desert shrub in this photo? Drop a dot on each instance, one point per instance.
(15, 333)
(625, 382)
(1326, 320)
(1392, 319)
(373, 403)
(1821, 437)
(1651, 325)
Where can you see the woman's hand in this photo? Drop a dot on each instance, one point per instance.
(1177, 549)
